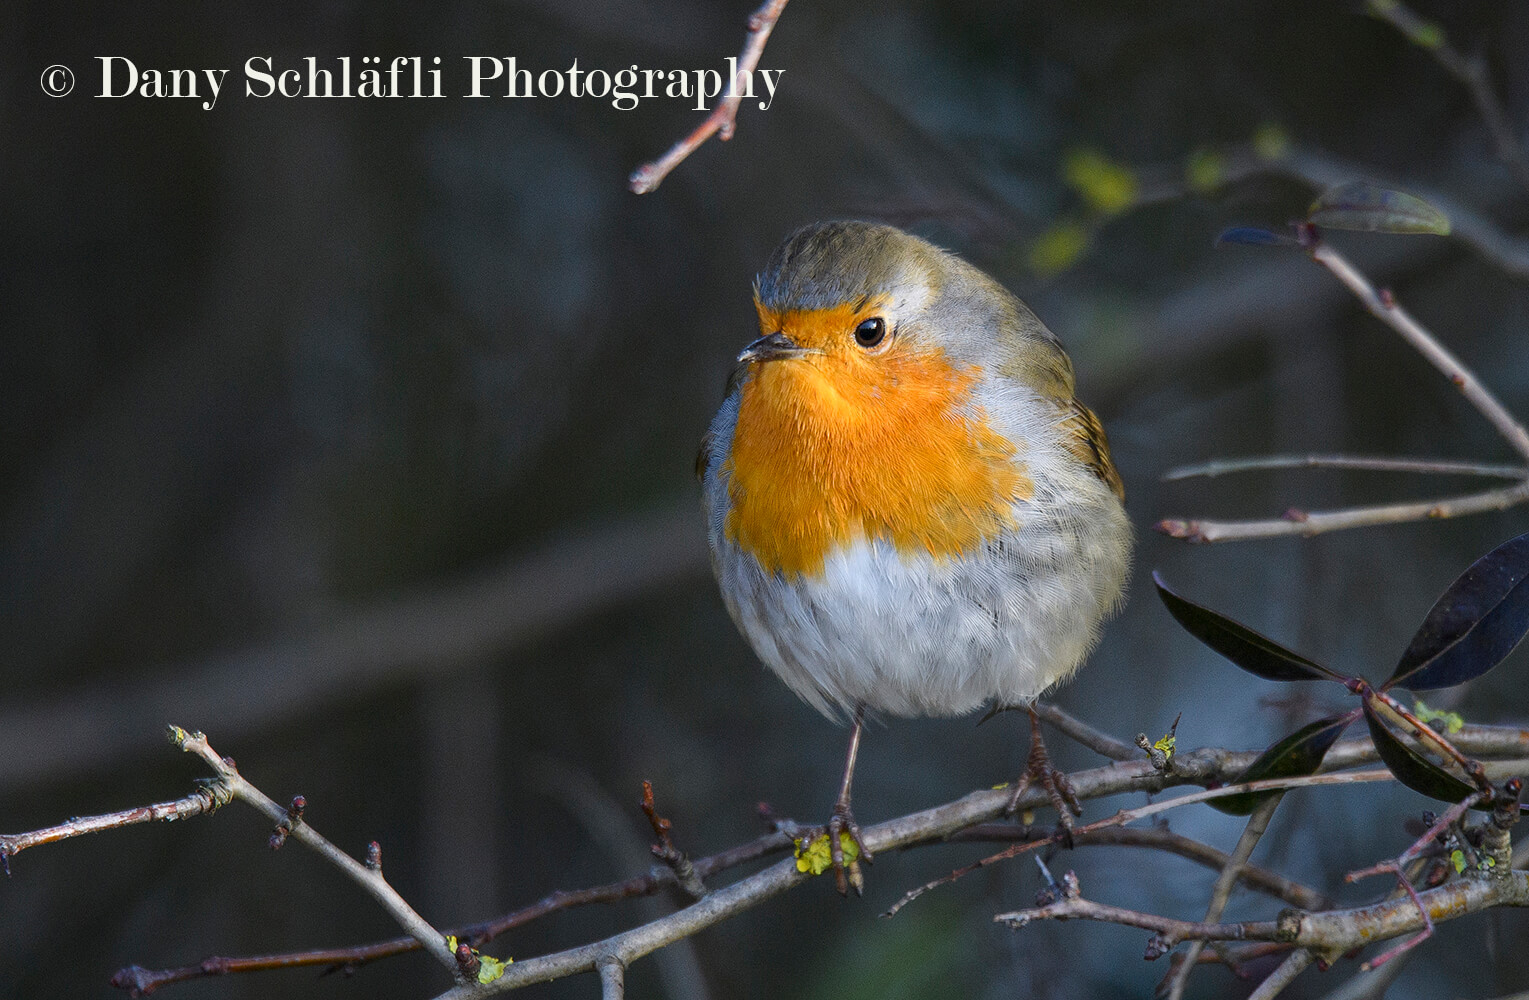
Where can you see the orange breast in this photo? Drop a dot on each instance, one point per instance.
(840, 446)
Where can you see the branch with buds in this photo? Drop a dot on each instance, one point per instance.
(1313, 927)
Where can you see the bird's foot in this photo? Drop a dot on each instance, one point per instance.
(1059, 789)
(842, 827)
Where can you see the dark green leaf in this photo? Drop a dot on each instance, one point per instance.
(1410, 767)
(1257, 654)
(1254, 236)
(1473, 625)
(1371, 209)
(1297, 755)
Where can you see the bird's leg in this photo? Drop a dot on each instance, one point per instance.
(842, 820)
(1039, 771)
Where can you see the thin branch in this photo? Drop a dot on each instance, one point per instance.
(1294, 964)
(1258, 879)
(146, 980)
(1326, 933)
(204, 800)
(723, 118)
(1125, 816)
(1370, 463)
(612, 978)
(1221, 893)
(1166, 928)
(665, 851)
(1469, 70)
(1384, 307)
(1099, 742)
(368, 877)
(1202, 766)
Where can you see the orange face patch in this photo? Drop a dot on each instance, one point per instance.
(844, 444)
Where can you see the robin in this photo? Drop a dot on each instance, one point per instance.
(909, 511)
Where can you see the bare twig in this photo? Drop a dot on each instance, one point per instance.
(1252, 833)
(146, 980)
(1165, 929)
(722, 120)
(1293, 965)
(1202, 766)
(367, 877)
(1384, 307)
(1125, 816)
(212, 796)
(1099, 742)
(1256, 878)
(1330, 932)
(1469, 70)
(612, 978)
(665, 851)
(1370, 463)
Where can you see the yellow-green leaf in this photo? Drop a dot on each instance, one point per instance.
(1419, 31)
(1165, 745)
(1106, 187)
(490, 968)
(1058, 248)
(1453, 723)
(815, 858)
(1270, 141)
(1205, 170)
(1366, 207)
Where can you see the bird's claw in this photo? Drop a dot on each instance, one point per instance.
(847, 874)
(1058, 787)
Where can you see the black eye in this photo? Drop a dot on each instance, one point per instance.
(871, 332)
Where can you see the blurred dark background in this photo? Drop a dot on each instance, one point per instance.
(359, 434)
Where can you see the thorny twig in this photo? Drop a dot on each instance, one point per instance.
(722, 120)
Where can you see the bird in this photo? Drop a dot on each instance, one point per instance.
(909, 512)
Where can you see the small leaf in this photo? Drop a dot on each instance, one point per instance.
(1410, 767)
(1271, 141)
(814, 858)
(1453, 721)
(1255, 653)
(490, 968)
(1254, 236)
(1107, 187)
(1297, 755)
(1474, 624)
(1205, 170)
(1420, 32)
(1365, 207)
(1058, 248)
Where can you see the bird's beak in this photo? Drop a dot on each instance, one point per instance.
(772, 348)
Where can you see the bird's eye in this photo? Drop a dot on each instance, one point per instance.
(871, 332)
